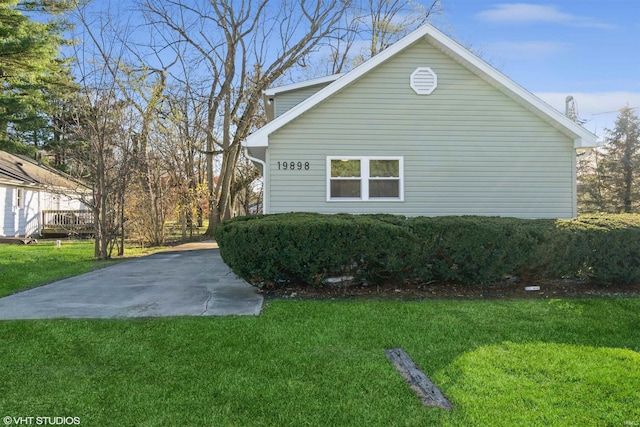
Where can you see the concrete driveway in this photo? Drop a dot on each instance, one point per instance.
(189, 280)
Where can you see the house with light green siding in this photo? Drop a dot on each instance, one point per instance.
(423, 128)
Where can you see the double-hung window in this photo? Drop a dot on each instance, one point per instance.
(365, 178)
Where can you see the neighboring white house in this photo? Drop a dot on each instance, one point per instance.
(28, 190)
(423, 128)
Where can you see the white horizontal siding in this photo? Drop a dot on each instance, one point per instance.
(29, 215)
(7, 216)
(467, 148)
(26, 220)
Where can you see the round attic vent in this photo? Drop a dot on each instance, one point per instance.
(424, 81)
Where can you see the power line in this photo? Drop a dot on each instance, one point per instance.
(615, 111)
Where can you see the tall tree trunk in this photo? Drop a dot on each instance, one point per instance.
(214, 216)
(154, 208)
(227, 200)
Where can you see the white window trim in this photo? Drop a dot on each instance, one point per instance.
(20, 194)
(364, 179)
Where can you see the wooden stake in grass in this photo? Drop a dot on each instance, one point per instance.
(427, 392)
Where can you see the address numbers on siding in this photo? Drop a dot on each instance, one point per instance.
(293, 166)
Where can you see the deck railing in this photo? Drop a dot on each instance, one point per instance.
(59, 221)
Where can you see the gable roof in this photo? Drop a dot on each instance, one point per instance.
(19, 170)
(300, 85)
(581, 136)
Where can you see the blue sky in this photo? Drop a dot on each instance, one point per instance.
(586, 48)
(589, 49)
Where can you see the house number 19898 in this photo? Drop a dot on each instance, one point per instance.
(292, 166)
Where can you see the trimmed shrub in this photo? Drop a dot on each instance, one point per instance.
(308, 248)
(474, 249)
(604, 248)
(311, 247)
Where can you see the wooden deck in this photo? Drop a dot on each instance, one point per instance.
(67, 223)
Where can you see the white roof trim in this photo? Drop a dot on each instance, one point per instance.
(307, 83)
(483, 69)
(581, 136)
(12, 182)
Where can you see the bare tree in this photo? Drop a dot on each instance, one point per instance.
(241, 47)
(369, 27)
(103, 159)
(389, 20)
(182, 140)
(341, 44)
(248, 188)
(143, 86)
(115, 113)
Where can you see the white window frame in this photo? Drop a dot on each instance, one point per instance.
(364, 179)
(20, 193)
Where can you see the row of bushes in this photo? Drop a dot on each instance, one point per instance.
(308, 248)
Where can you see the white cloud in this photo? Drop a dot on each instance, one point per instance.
(599, 109)
(525, 13)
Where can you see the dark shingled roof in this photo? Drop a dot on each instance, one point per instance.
(19, 170)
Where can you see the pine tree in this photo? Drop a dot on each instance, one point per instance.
(590, 188)
(619, 168)
(32, 73)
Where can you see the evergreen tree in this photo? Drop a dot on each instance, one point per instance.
(590, 188)
(621, 163)
(33, 76)
(611, 176)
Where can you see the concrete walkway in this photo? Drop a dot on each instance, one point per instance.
(189, 280)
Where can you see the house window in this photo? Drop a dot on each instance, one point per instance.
(20, 197)
(346, 177)
(364, 178)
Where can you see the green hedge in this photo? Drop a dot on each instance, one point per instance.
(308, 248)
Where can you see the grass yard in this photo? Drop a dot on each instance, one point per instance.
(25, 266)
(322, 363)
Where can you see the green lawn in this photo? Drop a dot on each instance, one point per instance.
(322, 363)
(25, 266)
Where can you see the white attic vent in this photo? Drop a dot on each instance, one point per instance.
(424, 81)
